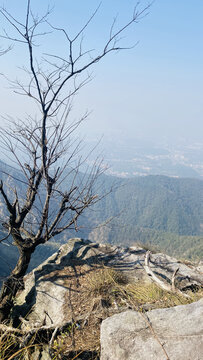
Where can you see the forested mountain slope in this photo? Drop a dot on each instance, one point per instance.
(156, 202)
(157, 210)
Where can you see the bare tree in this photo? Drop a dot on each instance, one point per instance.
(42, 146)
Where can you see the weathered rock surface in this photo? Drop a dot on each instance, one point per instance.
(175, 332)
(46, 290)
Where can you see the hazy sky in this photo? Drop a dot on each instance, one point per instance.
(153, 91)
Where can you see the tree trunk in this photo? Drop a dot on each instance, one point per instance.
(14, 283)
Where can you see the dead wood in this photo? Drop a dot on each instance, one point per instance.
(163, 285)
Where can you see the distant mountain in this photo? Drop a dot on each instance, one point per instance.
(155, 202)
(156, 210)
(160, 210)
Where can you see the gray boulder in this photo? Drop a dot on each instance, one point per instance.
(173, 333)
(46, 290)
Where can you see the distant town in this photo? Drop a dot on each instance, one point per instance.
(129, 159)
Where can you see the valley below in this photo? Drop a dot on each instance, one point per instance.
(160, 212)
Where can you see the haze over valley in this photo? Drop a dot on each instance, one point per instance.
(130, 156)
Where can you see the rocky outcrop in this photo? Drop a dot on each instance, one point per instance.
(175, 333)
(43, 302)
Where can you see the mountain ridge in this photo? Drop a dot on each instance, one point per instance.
(155, 210)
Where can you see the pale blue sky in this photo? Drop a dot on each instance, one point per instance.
(152, 91)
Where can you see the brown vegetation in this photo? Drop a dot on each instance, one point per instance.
(94, 294)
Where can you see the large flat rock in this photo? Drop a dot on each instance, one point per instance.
(46, 289)
(174, 332)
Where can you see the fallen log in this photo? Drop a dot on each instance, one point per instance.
(168, 287)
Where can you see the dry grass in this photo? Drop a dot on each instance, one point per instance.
(96, 293)
(150, 296)
(115, 285)
(104, 280)
(11, 347)
(100, 293)
(7, 345)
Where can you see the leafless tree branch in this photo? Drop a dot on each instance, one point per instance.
(55, 193)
